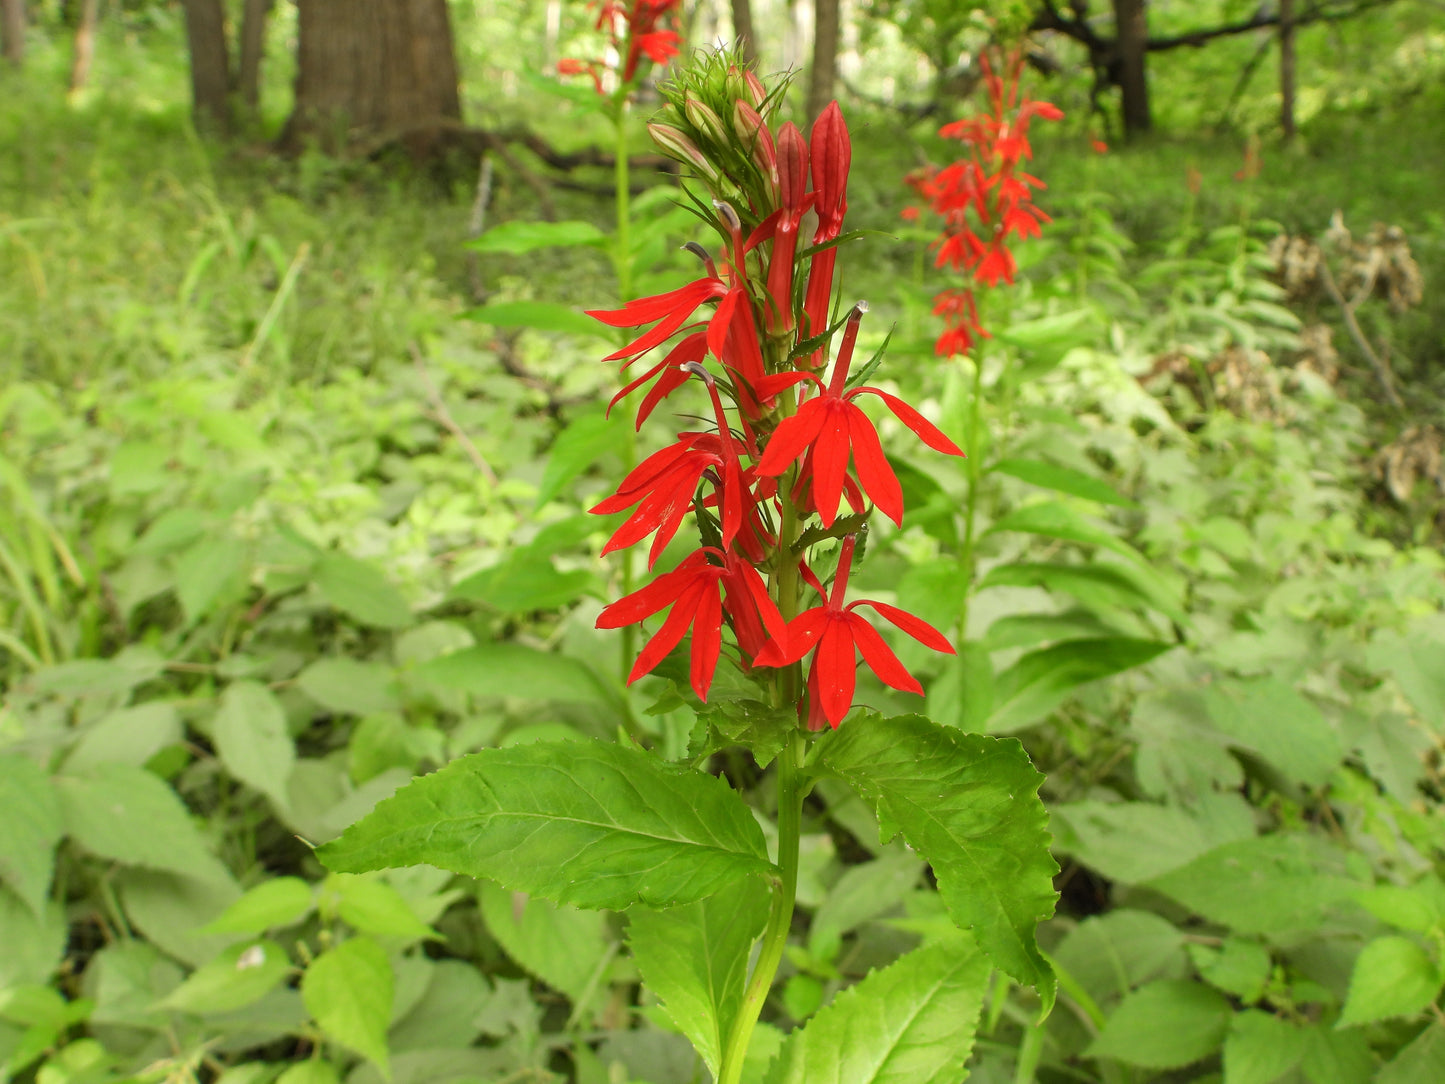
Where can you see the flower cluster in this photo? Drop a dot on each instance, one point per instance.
(639, 29)
(784, 441)
(984, 199)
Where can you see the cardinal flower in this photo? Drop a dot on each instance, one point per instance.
(840, 635)
(828, 427)
(706, 584)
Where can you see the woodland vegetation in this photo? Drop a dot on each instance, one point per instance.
(303, 414)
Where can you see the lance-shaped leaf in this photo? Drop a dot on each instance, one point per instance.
(695, 959)
(969, 804)
(911, 1023)
(587, 823)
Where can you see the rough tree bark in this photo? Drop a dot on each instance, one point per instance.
(210, 65)
(374, 68)
(253, 47)
(1286, 68)
(1131, 23)
(825, 56)
(84, 44)
(12, 30)
(743, 29)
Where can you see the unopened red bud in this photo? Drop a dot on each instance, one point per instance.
(705, 121)
(792, 166)
(756, 88)
(676, 144)
(757, 141)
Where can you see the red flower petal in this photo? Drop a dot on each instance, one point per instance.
(837, 668)
(874, 472)
(792, 437)
(916, 627)
(879, 656)
(924, 429)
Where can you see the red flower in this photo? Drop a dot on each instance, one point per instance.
(828, 427)
(832, 155)
(840, 635)
(699, 590)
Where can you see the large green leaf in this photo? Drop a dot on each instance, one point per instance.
(1063, 479)
(252, 739)
(562, 946)
(969, 804)
(1423, 1058)
(361, 591)
(349, 989)
(864, 892)
(1042, 680)
(1164, 1025)
(239, 976)
(1054, 520)
(577, 449)
(126, 814)
(518, 237)
(1261, 1048)
(910, 1023)
(1131, 842)
(695, 959)
(1393, 976)
(350, 686)
(588, 823)
(1097, 586)
(1270, 718)
(497, 669)
(30, 813)
(542, 315)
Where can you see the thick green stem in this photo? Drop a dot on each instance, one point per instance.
(780, 918)
(622, 268)
(974, 470)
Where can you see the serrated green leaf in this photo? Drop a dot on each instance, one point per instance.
(577, 450)
(126, 814)
(348, 990)
(1261, 1048)
(1062, 479)
(361, 591)
(127, 736)
(523, 583)
(34, 944)
(1165, 1025)
(1393, 976)
(373, 906)
(30, 813)
(1042, 680)
(499, 670)
(1030, 630)
(723, 723)
(910, 1023)
(1267, 885)
(349, 686)
(1337, 1057)
(695, 959)
(1131, 842)
(239, 976)
(587, 823)
(518, 237)
(1110, 954)
(445, 1016)
(1270, 718)
(1237, 967)
(1419, 908)
(540, 315)
(1097, 586)
(864, 892)
(211, 572)
(281, 901)
(562, 946)
(1421, 1059)
(1054, 520)
(252, 741)
(969, 804)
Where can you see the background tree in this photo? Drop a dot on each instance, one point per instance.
(253, 47)
(12, 30)
(1131, 27)
(824, 74)
(210, 65)
(384, 68)
(743, 28)
(84, 44)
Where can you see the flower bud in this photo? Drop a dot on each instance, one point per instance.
(705, 121)
(758, 143)
(792, 166)
(675, 144)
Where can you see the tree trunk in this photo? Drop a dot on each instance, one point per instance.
(253, 48)
(210, 65)
(379, 68)
(1131, 22)
(825, 56)
(743, 29)
(84, 44)
(1286, 68)
(12, 30)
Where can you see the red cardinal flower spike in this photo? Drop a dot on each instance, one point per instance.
(829, 426)
(840, 635)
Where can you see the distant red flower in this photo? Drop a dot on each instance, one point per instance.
(699, 590)
(829, 426)
(839, 636)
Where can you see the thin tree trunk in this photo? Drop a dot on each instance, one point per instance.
(743, 29)
(825, 56)
(84, 44)
(12, 30)
(374, 68)
(1131, 22)
(253, 48)
(1286, 69)
(210, 65)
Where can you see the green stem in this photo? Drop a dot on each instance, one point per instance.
(974, 469)
(780, 918)
(622, 268)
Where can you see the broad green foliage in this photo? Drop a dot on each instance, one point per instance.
(588, 823)
(968, 804)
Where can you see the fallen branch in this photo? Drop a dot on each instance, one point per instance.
(1382, 370)
(444, 416)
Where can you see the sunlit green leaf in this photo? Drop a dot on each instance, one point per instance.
(518, 236)
(1164, 1025)
(349, 989)
(30, 813)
